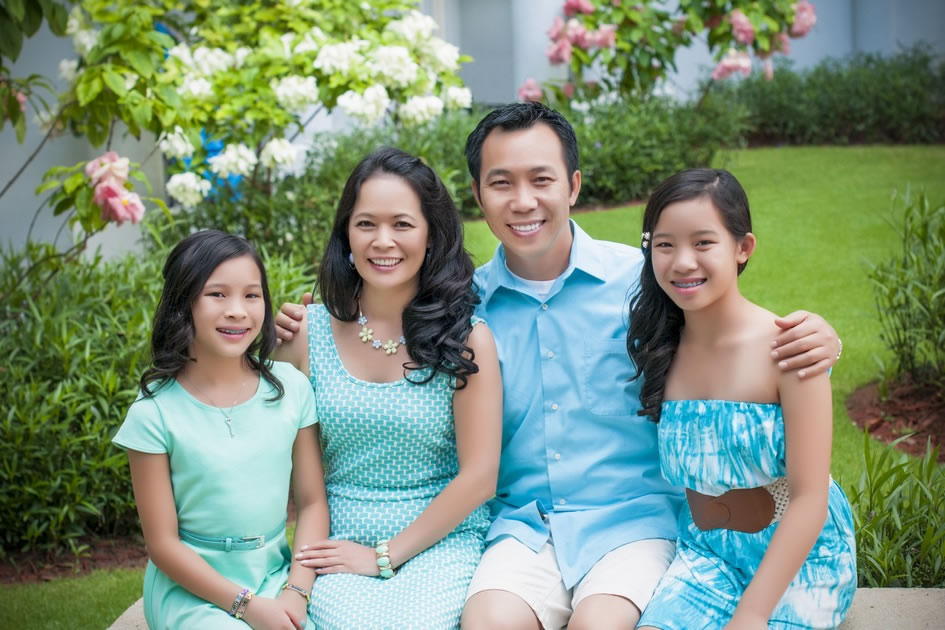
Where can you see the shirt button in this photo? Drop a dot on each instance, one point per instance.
(557, 455)
(554, 406)
(550, 355)
(562, 501)
(544, 307)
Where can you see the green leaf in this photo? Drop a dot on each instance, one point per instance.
(57, 18)
(47, 185)
(11, 37)
(19, 126)
(32, 19)
(16, 9)
(87, 89)
(115, 82)
(141, 112)
(140, 61)
(73, 182)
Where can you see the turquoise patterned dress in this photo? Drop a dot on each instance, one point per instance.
(388, 450)
(713, 446)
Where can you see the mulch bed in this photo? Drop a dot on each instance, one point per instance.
(126, 552)
(908, 408)
(104, 553)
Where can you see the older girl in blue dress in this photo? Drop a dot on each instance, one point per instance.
(213, 440)
(766, 536)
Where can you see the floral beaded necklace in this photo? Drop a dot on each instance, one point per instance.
(367, 335)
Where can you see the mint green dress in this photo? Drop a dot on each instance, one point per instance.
(223, 486)
(388, 450)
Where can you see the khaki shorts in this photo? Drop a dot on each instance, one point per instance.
(631, 571)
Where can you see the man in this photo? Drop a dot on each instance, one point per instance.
(584, 525)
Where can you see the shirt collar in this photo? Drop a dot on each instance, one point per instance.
(583, 257)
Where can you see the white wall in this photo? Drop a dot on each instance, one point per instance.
(510, 37)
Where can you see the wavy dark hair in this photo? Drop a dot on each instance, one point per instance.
(436, 322)
(655, 320)
(513, 117)
(186, 271)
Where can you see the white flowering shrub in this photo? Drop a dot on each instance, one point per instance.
(249, 75)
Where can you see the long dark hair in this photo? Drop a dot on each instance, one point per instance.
(655, 320)
(189, 265)
(436, 322)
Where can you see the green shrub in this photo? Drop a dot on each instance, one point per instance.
(899, 518)
(629, 147)
(863, 98)
(73, 350)
(909, 292)
(626, 148)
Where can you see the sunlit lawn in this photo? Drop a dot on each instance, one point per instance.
(819, 214)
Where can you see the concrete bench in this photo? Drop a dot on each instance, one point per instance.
(873, 609)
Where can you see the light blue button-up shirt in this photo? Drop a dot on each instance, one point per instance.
(573, 446)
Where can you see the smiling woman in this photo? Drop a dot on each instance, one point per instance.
(411, 443)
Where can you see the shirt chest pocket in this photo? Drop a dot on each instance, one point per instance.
(607, 371)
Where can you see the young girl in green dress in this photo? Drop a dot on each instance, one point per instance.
(212, 440)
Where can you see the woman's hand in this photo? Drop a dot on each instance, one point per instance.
(294, 605)
(339, 556)
(264, 613)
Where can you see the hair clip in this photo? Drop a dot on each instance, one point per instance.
(645, 240)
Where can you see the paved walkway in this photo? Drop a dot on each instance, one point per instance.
(873, 609)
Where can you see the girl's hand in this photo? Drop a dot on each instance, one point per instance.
(339, 556)
(294, 605)
(264, 613)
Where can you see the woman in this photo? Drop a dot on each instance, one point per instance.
(409, 402)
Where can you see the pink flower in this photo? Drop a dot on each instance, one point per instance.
(107, 188)
(742, 29)
(604, 37)
(616, 3)
(568, 89)
(559, 52)
(804, 18)
(572, 7)
(21, 99)
(125, 207)
(782, 43)
(733, 61)
(769, 69)
(577, 34)
(530, 91)
(108, 165)
(557, 28)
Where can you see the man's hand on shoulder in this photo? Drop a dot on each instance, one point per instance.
(288, 318)
(807, 343)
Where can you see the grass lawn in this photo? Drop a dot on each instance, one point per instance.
(819, 214)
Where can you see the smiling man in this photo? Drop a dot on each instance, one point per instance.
(584, 525)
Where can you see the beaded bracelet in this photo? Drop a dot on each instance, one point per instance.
(237, 601)
(298, 589)
(241, 609)
(384, 567)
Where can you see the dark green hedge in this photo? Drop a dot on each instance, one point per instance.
(863, 98)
